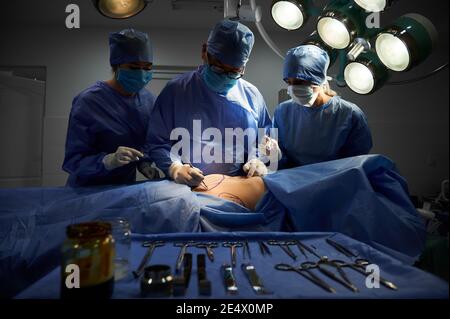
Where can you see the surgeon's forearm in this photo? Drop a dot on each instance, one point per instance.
(87, 166)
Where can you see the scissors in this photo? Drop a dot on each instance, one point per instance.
(360, 266)
(285, 246)
(324, 261)
(209, 249)
(233, 246)
(306, 273)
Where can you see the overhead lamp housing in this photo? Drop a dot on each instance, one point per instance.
(120, 9)
(374, 5)
(290, 14)
(341, 23)
(406, 43)
(366, 74)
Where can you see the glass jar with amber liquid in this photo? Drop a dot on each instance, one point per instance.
(87, 269)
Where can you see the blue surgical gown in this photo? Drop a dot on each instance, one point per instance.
(100, 121)
(337, 129)
(187, 99)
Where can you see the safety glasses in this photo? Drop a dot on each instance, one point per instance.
(229, 74)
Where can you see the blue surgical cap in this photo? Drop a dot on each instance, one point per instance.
(231, 43)
(128, 46)
(308, 63)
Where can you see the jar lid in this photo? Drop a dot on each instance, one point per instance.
(116, 222)
(89, 230)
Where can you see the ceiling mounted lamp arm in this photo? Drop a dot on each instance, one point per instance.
(258, 16)
(308, 8)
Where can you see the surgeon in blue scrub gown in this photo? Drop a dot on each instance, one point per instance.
(109, 120)
(216, 98)
(315, 126)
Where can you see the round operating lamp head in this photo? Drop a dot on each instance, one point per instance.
(359, 78)
(366, 74)
(120, 9)
(406, 43)
(289, 15)
(393, 52)
(372, 5)
(334, 33)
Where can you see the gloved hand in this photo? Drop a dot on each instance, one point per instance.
(123, 156)
(186, 174)
(255, 167)
(269, 147)
(148, 171)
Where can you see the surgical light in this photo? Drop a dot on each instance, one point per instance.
(334, 32)
(290, 14)
(341, 23)
(120, 9)
(359, 46)
(406, 43)
(374, 5)
(366, 74)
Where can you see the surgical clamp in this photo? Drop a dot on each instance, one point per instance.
(209, 249)
(309, 275)
(360, 266)
(233, 246)
(285, 246)
(148, 255)
(183, 250)
(326, 262)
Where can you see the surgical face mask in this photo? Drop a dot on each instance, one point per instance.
(303, 94)
(133, 81)
(219, 83)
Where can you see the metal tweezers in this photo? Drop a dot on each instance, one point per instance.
(246, 250)
(302, 248)
(340, 248)
(264, 248)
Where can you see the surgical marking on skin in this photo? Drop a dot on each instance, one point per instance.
(224, 195)
(246, 192)
(209, 188)
(233, 198)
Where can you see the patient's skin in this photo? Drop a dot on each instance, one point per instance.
(246, 191)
